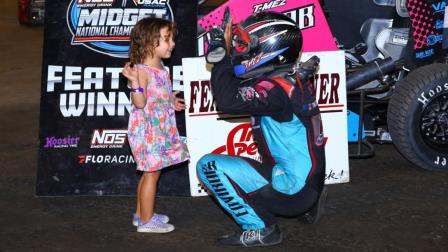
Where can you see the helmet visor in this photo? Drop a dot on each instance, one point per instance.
(240, 41)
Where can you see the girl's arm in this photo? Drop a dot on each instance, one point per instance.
(137, 81)
(179, 103)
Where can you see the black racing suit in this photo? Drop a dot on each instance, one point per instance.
(287, 128)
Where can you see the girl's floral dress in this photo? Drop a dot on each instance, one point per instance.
(152, 131)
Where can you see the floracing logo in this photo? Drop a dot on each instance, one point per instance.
(106, 159)
(104, 26)
(108, 138)
(61, 142)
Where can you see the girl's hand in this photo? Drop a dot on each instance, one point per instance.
(179, 103)
(131, 73)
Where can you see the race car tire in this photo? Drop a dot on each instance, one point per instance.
(417, 117)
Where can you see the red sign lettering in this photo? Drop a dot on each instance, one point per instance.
(237, 146)
(201, 97)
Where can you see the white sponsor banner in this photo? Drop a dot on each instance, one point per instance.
(210, 131)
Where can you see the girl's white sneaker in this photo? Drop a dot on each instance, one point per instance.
(155, 226)
(161, 217)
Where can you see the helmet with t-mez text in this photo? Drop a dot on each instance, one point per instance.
(264, 42)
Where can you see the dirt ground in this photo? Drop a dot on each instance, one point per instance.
(389, 205)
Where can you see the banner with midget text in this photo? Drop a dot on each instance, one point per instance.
(85, 104)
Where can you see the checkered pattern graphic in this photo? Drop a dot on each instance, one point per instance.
(422, 18)
(202, 188)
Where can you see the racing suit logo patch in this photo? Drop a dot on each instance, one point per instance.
(248, 93)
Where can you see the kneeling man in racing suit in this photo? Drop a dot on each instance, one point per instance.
(260, 77)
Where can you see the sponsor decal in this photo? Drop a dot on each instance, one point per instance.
(61, 142)
(106, 159)
(433, 39)
(400, 39)
(248, 64)
(424, 54)
(214, 180)
(439, 24)
(247, 93)
(104, 26)
(316, 122)
(440, 161)
(439, 6)
(239, 143)
(427, 95)
(94, 3)
(260, 59)
(320, 139)
(108, 138)
(268, 5)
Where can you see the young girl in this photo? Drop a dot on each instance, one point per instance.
(152, 132)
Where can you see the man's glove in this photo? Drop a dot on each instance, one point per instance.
(216, 46)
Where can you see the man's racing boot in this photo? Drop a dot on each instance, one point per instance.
(315, 214)
(267, 236)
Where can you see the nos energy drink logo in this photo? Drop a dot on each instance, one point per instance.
(104, 26)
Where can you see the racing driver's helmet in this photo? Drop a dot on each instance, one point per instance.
(264, 42)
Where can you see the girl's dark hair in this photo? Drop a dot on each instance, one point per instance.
(145, 37)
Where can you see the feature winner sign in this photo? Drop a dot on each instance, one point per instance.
(85, 104)
(230, 135)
